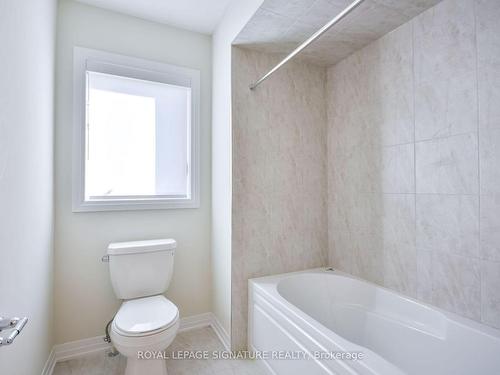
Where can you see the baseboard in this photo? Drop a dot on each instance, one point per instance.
(48, 369)
(195, 321)
(221, 332)
(78, 348)
(206, 320)
(74, 349)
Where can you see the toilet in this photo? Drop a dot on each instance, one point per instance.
(140, 273)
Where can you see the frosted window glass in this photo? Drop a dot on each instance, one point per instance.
(136, 138)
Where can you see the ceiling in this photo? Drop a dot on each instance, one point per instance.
(195, 15)
(279, 26)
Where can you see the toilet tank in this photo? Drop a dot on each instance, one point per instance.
(141, 268)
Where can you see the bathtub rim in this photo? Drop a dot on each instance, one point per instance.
(269, 286)
(313, 329)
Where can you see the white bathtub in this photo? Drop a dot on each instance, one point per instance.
(318, 313)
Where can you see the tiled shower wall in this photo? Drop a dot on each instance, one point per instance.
(279, 218)
(414, 159)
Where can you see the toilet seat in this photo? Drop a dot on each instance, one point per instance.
(154, 341)
(145, 316)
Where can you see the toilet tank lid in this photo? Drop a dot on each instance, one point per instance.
(132, 247)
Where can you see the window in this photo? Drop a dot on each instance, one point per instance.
(135, 134)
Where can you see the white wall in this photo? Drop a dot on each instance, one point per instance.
(235, 18)
(83, 293)
(27, 35)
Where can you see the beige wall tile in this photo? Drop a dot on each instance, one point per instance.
(279, 175)
(447, 165)
(445, 70)
(456, 284)
(397, 171)
(448, 223)
(424, 275)
(490, 293)
(400, 269)
(488, 62)
(429, 244)
(490, 227)
(489, 158)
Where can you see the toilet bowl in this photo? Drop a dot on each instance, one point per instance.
(147, 322)
(142, 328)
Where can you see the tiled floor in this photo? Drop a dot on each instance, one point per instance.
(200, 339)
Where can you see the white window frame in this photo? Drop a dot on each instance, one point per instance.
(88, 59)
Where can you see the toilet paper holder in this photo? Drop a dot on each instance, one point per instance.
(16, 326)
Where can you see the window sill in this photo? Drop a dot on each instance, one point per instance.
(134, 204)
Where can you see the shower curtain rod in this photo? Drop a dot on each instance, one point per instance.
(311, 39)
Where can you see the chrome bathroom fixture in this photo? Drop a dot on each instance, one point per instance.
(339, 17)
(15, 325)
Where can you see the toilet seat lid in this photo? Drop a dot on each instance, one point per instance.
(143, 315)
